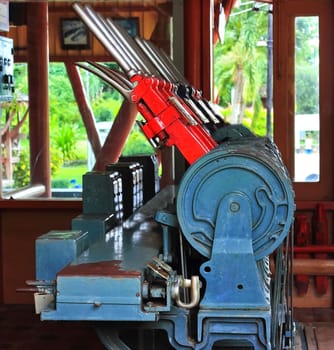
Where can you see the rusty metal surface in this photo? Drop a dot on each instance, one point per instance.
(102, 268)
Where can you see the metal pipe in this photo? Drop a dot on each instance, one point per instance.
(131, 43)
(154, 59)
(124, 46)
(102, 34)
(121, 78)
(180, 78)
(117, 43)
(111, 79)
(165, 64)
(36, 190)
(167, 73)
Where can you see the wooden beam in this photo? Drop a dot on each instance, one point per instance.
(84, 107)
(116, 139)
(38, 43)
(313, 267)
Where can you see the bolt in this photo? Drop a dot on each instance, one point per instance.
(235, 207)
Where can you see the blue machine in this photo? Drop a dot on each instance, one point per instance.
(193, 261)
(202, 265)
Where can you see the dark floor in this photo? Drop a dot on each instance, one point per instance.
(21, 329)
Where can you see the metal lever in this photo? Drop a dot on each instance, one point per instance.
(111, 77)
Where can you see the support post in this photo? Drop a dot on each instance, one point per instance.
(38, 66)
(116, 139)
(84, 107)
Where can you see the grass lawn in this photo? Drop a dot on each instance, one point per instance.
(69, 176)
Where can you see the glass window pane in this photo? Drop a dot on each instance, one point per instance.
(307, 125)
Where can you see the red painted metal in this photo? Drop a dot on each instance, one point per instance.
(169, 119)
(37, 37)
(320, 237)
(117, 136)
(112, 268)
(193, 44)
(84, 107)
(314, 249)
(302, 238)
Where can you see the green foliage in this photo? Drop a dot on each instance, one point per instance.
(60, 183)
(69, 176)
(137, 144)
(56, 160)
(240, 63)
(21, 172)
(259, 119)
(65, 140)
(21, 77)
(240, 49)
(307, 90)
(307, 65)
(106, 109)
(62, 105)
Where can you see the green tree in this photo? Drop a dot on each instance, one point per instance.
(65, 140)
(240, 63)
(307, 65)
(137, 144)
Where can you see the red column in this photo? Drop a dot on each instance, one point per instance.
(198, 44)
(116, 139)
(38, 64)
(85, 109)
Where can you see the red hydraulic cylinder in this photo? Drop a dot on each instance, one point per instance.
(169, 119)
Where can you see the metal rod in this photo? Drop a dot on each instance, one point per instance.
(111, 79)
(36, 190)
(133, 46)
(154, 59)
(180, 78)
(102, 34)
(117, 42)
(126, 48)
(120, 76)
(165, 64)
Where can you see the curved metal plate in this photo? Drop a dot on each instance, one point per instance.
(251, 167)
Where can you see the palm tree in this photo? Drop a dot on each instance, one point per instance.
(240, 63)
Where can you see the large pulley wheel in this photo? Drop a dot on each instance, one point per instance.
(251, 167)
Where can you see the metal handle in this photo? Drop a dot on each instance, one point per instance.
(194, 285)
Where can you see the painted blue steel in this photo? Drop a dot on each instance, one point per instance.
(105, 281)
(250, 166)
(101, 190)
(234, 329)
(96, 225)
(99, 298)
(175, 323)
(56, 249)
(167, 220)
(234, 206)
(233, 280)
